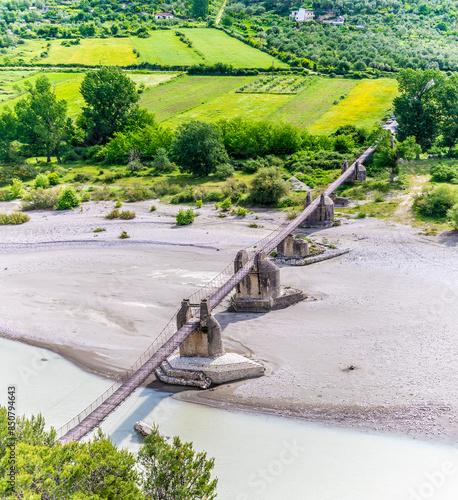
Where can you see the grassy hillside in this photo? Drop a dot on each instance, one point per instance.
(162, 47)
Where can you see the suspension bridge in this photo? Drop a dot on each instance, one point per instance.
(171, 338)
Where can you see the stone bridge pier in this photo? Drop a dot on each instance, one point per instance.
(323, 216)
(261, 290)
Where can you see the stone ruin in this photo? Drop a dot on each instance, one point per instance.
(323, 216)
(292, 248)
(261, 290)
(202, 360)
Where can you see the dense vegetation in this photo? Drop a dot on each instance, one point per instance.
(96, 469)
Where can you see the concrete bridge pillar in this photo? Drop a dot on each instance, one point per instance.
(358, 175)
(323, 216)
(206, 341)
(293, 248)
(261, 290)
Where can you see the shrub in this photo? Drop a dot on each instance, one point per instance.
(126, 215)
(268, 186)
(86, 196)
(241, 211)
(185, 217)
(104, 194)
(16, 189)
(118, 203)
(452, 214)
(163, 188)
(83, 177)
(161, 161)
(137, 193)
(214, 196)
(444, 173)
(226, 204)
(124, 235)
(224, 170)
(114, 214)
(153, 208)
(361, 215)
(41, 181)
(437, 202)
(67, 199)
(53, 179)
(13, 218)
(199, 203)
(40, 199)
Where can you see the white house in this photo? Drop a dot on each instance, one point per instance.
(302, 15)
(163, 15)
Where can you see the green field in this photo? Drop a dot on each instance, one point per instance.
(188, 92)
(315, 100)
(162, 47)
(174, 99)
(367, 102)
(210, 98)
(12, 85)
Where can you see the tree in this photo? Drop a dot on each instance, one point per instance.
(8, 133)
(389, 152)
(42, 119)
(111, 99)
(448, 105)
(95, 469)
(268, 186)
(452, 214)
(175, 471)
(199, 8)
(198, 148)
(416, 109)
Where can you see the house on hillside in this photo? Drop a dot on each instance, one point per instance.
(338, 21)
(302, 15)
(163, 15)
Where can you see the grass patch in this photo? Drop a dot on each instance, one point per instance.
(367, 102)
(188, 92)
(14, 218)
(372, 209)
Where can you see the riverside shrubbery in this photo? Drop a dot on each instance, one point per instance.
(185, 217)
(14, 218)
(437, 201)
(40, 199)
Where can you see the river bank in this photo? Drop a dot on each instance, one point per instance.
(387, 309)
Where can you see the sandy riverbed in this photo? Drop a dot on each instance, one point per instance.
(388, 308)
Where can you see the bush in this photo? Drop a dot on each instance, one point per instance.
(41, 181)
(163, 188)
(137, 193)
(53, 179)
(199, 203)
(241, 211)
(224, 170)
(67, 199)
(161, 161)
(444, 173)
(124, 235)
(214, 196)
(16, 190)
(226, 204)
(86, 196)
(40, 199)
(437, 202)
(185, 217)
(14, 218)
(126, 215)
(83, 177)
(268, 186)
(114, 214)
(153, 208)
(452, 214)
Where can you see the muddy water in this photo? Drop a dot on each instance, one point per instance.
(257, 456)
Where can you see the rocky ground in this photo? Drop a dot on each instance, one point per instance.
(377, 349)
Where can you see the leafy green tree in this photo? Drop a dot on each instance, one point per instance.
(175, 471)
(438, 201)
(111, 99)
(390, 152)
(46, 469)
(452, 214)
(447, 97)
(268, 186)
(8, 133)
(198, 148)
(199, 8)
(67, 199)
(42, 119)
(416, 108)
